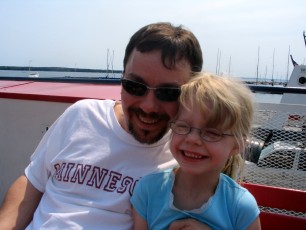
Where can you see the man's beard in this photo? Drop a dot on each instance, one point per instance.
(144, 136)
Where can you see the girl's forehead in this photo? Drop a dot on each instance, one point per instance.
(185, 110)
(205, 114)
(193, 114)
(204, 107)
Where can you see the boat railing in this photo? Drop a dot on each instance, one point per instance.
(276, 153)
(84, 80)
(103, 80)
(275, 166)
(279, 208)
(277, 89)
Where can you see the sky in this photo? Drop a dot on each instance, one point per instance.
(240, 38)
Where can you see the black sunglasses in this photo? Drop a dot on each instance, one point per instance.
(139, 89)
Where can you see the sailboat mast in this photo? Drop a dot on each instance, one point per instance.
(257, 65)
(273, 66)
(217, 61)
(107, 64)
(30, 65)
(229, 66)
(113, 63)
(288, 65)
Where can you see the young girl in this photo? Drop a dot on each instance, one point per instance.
(208, 139)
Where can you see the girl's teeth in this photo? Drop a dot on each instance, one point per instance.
(193, 155)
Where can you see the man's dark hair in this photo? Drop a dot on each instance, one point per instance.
(175, 42)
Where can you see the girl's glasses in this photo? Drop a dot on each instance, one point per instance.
(207, 134)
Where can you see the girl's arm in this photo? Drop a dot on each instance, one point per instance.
(139, 222)
(255, 225)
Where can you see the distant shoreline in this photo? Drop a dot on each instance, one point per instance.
(58, 69)
(83, 70)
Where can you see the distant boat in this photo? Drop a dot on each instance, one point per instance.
(33, 75)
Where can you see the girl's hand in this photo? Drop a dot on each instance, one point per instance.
(188, 224)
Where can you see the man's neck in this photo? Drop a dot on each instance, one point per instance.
(120, 115)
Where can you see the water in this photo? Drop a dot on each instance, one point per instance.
(268, 98)
(259, 97)
(54, 74)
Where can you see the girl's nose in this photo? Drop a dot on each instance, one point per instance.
(194, 136)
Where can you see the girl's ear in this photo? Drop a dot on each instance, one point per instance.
(238, 147)
(234, 151)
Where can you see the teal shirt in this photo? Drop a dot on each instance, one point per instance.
(231, 207)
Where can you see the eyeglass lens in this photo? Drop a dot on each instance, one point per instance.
(208, 134)
(139, 89)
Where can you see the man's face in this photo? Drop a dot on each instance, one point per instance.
(146, 117)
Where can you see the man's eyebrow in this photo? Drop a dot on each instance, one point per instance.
(139, 79)
(135, 77)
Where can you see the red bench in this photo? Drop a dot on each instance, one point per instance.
(281, 208)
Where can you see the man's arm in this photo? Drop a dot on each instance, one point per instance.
(19, 204)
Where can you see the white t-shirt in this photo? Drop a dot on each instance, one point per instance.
(87, 166)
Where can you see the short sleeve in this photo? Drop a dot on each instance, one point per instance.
(247, 210)
(39, 169)
(139, 199)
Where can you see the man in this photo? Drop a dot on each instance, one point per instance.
(83, 172)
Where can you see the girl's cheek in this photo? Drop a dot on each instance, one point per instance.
(175, 142)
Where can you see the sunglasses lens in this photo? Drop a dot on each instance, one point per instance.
(133, 88)
(139, 89)
(168, 94)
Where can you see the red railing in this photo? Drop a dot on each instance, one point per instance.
(281, 208)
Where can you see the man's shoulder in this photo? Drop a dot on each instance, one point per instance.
(87, 103)
(88, 107)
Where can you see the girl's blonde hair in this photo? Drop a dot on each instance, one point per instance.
(227, 104)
